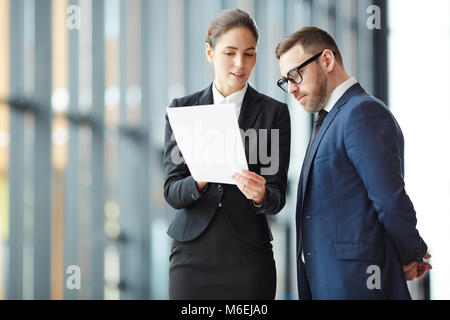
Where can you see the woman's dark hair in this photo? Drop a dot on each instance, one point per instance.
(229, 19)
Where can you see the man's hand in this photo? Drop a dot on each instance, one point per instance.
(424, 266)
(410, 270)
(252, 185)
(417, 269)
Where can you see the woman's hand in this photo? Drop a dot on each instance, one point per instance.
(252, 185)
(201, 185)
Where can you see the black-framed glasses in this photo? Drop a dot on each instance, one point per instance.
(294, 75)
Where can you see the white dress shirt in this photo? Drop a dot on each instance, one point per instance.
(338, 92)
(235, 98)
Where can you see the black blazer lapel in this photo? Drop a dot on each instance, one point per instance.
(206, 96)
(250, 109)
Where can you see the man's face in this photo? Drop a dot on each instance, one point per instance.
(311, 93)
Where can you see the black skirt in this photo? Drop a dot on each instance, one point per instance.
(218, 265)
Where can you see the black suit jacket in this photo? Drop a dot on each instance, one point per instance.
(196, 209)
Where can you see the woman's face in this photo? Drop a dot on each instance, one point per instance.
(234, 58)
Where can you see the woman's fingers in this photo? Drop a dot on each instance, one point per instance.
(252, 186)
(248, 182)
(252, 176)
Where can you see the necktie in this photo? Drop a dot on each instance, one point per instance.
(318, 120)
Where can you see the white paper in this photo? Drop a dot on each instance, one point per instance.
(210, 141)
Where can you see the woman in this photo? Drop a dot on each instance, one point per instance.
(221, 239)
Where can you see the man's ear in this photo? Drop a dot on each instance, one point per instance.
(329, 60)
(209, 53)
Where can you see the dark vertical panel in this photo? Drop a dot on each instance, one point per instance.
(380, 51)
(71, 221)
(43, 150)
(332, 16)
(364, 51)
(426, 286)
(290, 279)
(98, 157)
(14, 270)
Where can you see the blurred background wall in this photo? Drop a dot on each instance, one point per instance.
(83, 91)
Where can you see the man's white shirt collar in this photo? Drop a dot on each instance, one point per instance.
(338, 92)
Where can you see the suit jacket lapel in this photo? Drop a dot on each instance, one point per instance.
(206, 97)
(353, 90)
(250, 109)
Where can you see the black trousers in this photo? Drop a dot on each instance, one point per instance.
(218, 265)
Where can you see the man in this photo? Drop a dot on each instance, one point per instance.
(356, 226)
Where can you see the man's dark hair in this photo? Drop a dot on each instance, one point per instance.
(312, 39)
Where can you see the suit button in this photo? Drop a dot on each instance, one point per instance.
(308, 217)
(219, 187)
(220, 204)
(194, 196)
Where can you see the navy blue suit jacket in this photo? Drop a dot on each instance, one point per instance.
(354, 212)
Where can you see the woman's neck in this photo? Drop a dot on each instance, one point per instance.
(225, 93)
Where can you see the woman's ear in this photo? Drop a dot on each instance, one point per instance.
(209, 53)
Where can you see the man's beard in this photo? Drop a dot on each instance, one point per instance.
(318, 98)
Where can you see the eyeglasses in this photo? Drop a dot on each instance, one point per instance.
(294, 75)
